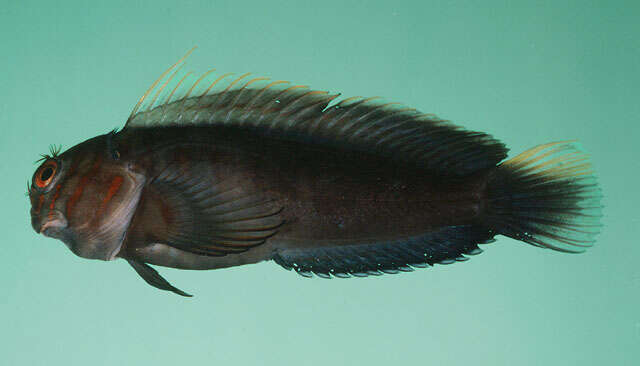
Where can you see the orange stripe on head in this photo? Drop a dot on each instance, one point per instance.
(75, 197)
(113, 189)
(53, 200)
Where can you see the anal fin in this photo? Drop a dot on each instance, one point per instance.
(445, 246)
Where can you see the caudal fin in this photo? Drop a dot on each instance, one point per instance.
(547, 196)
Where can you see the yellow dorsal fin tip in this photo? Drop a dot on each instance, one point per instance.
(144, 96)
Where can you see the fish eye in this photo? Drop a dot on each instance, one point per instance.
(45, 174)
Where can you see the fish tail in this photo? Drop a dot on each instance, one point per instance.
(548, 197)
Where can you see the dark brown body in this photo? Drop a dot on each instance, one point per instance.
(328, 197)
(247, 170)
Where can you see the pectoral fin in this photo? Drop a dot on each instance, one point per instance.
(198, 212)
(152, 277)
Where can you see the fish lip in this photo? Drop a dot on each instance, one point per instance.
(54, 223)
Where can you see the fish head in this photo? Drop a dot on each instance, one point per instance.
(86, 197)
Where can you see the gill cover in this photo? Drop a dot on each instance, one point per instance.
(90, 189)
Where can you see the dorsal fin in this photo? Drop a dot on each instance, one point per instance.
(298, 113)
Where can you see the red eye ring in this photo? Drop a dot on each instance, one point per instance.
(45, 174)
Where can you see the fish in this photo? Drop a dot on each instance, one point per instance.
(218, 170)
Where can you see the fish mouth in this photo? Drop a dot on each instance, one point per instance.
(52, 225)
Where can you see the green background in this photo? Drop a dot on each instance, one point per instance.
(526, 72)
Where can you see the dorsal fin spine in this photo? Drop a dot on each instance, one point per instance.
(364, 117)
(216, 81)
(394, 134)
(303, 112)
(186, 96)
(250, 109)
(343, 102)
(291, 110)
(224, 93)
(144, 96)
(275, 98)
(451, 143)
(221, 99)
(241, 92)
(244, 89)
(155, 97)
(352, 108)
(166, 103)
(380, 131)
(326, 115)
(408, 140)
(262, 91)
(196, 84)
(355, 121)
(439, 155)
(390, 134)
(359, 123)
(213, 102)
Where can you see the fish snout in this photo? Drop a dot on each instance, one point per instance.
(49, 224)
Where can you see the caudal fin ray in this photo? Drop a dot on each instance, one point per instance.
(548, 196)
